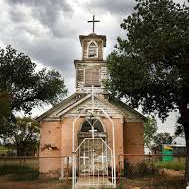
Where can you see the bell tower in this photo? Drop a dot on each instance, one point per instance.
(91, 69)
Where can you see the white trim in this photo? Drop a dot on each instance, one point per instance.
(74, 167)
(61, 112)
(97, 118)
(88, 44)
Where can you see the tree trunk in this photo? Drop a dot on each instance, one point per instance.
(186, 131)
(184, 111)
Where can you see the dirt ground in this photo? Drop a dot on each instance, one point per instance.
(7, 183)
(169, 180)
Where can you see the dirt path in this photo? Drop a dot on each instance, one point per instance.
(6, 183)
(173, 173)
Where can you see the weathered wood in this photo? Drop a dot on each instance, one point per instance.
(92, 77)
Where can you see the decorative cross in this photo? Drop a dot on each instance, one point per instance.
(103, 157)
(93, 131)
(93, 21)
(84, 157)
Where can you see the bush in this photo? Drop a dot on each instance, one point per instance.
(19, 172)
(144, 169)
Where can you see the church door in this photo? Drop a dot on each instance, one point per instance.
(94, 156)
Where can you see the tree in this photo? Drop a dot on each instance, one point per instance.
(150, 129)
(25, 136)
(162, 138)
(5, 105)
(27, 87)
(150, 66)
(22, 87)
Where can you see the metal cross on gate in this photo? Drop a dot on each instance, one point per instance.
(103, 157)
(93, 132)
(84, 157)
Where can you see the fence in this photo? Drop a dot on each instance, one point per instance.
(151, 171)
(32, 162)
(143, 171)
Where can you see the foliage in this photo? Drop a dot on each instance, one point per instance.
(24, 136)
(5, 106)
(3, 150)
(151, 137)
(162, 138)
(179, 130)
(150, 67)
(19, 172)
(173, 165)
(5, 110)
(143, 169)
(150, 129)
(27, 87)
(22, 87)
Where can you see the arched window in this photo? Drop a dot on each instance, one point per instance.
(92, 50)
(96, 124)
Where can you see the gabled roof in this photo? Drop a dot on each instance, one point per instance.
(121, 106)
(76, 99)
(66, 103)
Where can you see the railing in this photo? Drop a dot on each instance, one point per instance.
(139, 170)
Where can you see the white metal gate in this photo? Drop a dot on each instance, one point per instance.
(107, 175)
(93, 163)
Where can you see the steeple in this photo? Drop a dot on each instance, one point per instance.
(91, 69)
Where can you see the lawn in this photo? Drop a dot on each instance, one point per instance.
(3, 150)
(174, 165)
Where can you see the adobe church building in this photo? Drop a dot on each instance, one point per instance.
(89, 130)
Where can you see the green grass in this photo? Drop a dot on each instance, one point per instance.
(19, 173)
(174, 165)
(3, 150)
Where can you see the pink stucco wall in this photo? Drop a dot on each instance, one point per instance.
(128, 139)
(49, 134)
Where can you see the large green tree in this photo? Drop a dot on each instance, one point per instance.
(26, 86)
(22, 87)
(150, 66)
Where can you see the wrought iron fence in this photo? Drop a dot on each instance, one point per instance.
(151, 171)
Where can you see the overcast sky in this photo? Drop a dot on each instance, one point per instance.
(48, 31)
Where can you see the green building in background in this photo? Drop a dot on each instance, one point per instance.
(167, 153)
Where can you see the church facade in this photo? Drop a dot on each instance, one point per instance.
(89, 130)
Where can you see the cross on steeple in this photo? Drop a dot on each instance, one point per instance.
(93, 21)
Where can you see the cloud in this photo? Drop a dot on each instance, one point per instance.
(40, 29)
(48, 30)
(112, 6)
(49, 13)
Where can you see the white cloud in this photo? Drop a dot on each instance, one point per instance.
(48, 30)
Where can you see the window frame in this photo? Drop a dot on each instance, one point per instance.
(89, 47)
